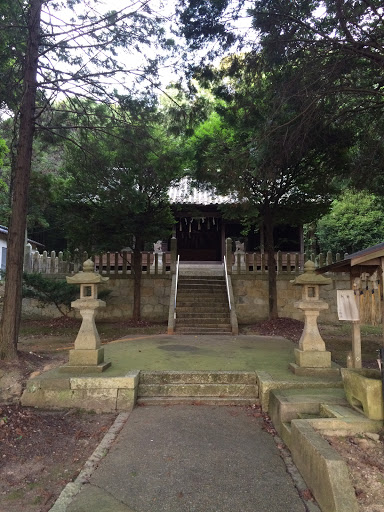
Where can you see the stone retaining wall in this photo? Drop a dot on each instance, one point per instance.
(250, 292)
(155, 293)
(251, 297)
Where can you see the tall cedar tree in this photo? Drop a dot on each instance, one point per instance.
(76, 58)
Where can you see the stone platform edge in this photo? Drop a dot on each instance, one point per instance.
(267, 383)
(98, 394)
(322, 468)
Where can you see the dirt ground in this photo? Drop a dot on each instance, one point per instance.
(365, 459)
(41, 451)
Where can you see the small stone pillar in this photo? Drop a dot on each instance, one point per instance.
(158, 249)
(311, 353)
(87, 356)
(239, 256)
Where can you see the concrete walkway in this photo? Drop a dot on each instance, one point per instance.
(191, 459)
(185, 458)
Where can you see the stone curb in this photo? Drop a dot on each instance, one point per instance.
(324, 470)
(301, 486)
(73, 488)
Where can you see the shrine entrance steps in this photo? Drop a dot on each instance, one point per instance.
(202, 302)
(197, 387)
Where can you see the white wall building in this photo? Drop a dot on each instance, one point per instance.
(3, 247)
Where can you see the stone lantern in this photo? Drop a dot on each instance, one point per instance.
(87, 356)
(311, 353)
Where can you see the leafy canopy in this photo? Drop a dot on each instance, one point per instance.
(270, 143)
(355, 222)
(117, 183)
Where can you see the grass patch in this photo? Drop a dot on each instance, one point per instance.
(16, 494)
(33, 485)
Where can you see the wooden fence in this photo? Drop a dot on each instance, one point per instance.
(257, 262)
(116, 263)
(120, 263)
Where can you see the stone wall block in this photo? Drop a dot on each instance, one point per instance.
(126, 399)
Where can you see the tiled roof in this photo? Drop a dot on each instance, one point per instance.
(183, 192)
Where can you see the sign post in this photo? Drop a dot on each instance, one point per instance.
(348, 310)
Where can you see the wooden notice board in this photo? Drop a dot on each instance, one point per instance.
(346, 306)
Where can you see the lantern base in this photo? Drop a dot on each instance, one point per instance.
(302, 371)
(313, 358)
(87, 358)
(99, 368)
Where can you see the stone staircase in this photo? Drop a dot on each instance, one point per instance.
(202, 305)
(197, 387)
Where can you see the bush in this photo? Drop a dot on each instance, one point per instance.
(49, 291)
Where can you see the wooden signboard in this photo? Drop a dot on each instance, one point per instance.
(346, 306)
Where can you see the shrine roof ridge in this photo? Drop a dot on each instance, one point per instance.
(186, 192)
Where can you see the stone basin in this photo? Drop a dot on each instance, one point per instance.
(363, 389)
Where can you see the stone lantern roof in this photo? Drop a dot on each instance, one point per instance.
(88, 276)
(309, 277)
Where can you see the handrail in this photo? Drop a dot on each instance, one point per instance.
(176, 283)
(227, 283)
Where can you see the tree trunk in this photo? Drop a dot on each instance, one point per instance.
(270, 250)
(137, 272)
(10, 320)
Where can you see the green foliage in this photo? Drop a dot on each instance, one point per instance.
(116, 183)
(3, 150)
(338, 46)
(12, 50)
(49, 291)
(208, 21)
(355, 222)
(292, 28)
(270, 142)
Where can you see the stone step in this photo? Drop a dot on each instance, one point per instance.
(307, 416)
(196, 400)
(201, 272)
(198, 285)
(197, 390)
(198, 277)
(201, 330)
(201, 282)
(197, 376)
(218, 323)
(209, 300)
(222, 318)
(203, 289)
(197, 308)
(197, 300)
(213, 315)
(194, 307)
(204, 277)
(202, 304)
(204, 292)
